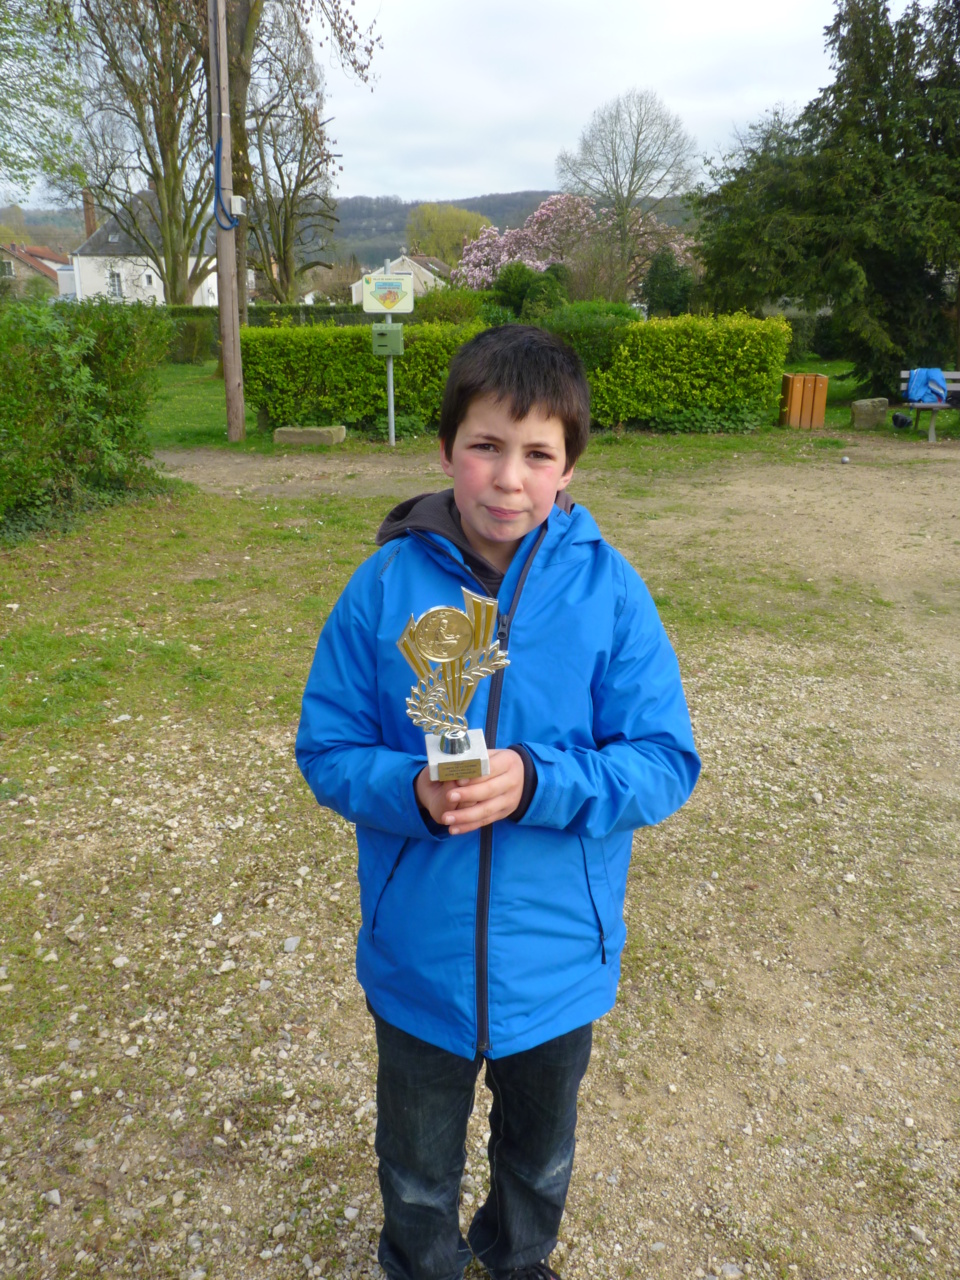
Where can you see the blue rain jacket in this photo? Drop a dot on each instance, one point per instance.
(926, 386)
(504, 938)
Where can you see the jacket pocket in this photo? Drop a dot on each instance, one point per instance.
(386, 884)
(598, 890)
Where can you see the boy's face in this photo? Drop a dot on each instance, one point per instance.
(506, 475)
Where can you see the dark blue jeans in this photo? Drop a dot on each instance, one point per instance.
(424, 1099)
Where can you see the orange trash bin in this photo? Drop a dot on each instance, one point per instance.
(803, 400)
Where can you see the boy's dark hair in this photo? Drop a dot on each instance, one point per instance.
(526, 368)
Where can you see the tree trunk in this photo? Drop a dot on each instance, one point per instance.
(243, 19)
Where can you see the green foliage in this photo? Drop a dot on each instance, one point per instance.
(512, 284)
(697, 419)
(545, 294)
(448, 306)
(406, 426)
(330, 375)
(694, 373)
(39, 89)
(129, 343)
(856, 203)
(492, 313)
(829, 339)
(668, 286)
(802, 330)
(195, 339)
(595, 330)
(273, 313)
(439, 230)
(75, 385)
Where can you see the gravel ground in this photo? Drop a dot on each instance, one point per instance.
(776, 1091)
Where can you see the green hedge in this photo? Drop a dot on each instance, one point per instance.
(327, 374)
(594, 330)
(689, 373)
(75, 383)
(694, 373)
(197, 329)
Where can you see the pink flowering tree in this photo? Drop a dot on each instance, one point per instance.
(567, 229)
(549, 235)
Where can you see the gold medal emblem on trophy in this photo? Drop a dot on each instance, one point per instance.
(451, 651)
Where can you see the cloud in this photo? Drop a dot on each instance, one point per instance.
(470, 99)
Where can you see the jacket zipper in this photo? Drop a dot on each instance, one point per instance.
(386, 886)
(603, 936)
(486, 833)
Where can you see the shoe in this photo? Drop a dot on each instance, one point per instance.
(538, 1271)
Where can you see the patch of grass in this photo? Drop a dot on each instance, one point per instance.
(200, 615)
(190, 413)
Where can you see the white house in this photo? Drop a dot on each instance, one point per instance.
(425, 277)
(111, 264)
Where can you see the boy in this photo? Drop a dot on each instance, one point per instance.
(492, 909)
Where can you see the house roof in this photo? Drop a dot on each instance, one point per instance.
(47, 254)
(28, 258)
(436, 265)
(112, 241)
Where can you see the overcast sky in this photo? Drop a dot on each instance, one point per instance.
(475, 98)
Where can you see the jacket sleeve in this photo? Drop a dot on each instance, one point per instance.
(340, 747)
(644, 765)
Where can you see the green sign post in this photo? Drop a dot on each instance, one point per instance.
(383, 295)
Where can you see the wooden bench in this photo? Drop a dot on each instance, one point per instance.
(952, 379)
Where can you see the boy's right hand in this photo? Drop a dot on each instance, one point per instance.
(433, 796)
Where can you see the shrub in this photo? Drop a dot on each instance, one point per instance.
(694, 373)
(195, 339)
(129, 344)
(511, 286)
(595, 330)
(274, 313)
(668, 285)
(75, 383)
(544, 294)
(802, 329)
(492, 313)
(406, 426)
(447, 306)
(830, 340)
(327, 374)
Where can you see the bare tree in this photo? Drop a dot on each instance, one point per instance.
(351, 44)
(144, 150)
(291, 214)
(633, 155)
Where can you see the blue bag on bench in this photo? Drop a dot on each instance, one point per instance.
(926, 386)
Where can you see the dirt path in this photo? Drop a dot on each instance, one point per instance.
(775, 1093)
(890, 518)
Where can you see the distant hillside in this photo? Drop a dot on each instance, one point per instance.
(54, 228)
(374, 227)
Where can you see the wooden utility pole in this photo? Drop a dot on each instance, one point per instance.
(226, 223)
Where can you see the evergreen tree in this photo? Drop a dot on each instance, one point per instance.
(855, 203)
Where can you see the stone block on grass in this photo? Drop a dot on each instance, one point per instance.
(869, 413)
(309, 435)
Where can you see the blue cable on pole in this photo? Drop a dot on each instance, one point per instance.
(231, 223)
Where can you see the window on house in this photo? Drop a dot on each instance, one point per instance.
(115, 285)
(148, 277)
(113, 237)
(6, 267)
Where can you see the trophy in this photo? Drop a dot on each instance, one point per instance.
(451, 651)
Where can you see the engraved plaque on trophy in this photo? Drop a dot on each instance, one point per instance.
(451, 651)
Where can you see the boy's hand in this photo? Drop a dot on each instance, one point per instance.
(476, 802)
(434, 795)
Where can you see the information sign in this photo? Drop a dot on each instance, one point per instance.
(388, 294)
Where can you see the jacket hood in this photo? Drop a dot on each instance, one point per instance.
(437, 513)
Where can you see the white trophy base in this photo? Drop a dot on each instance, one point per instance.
(472, 763)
